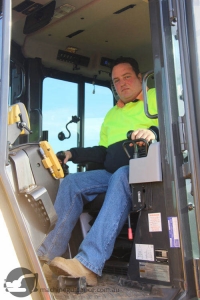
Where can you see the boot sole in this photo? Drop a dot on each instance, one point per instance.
(59, 270)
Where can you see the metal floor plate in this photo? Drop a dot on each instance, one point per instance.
(108, 288)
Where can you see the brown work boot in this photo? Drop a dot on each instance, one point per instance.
(72, 267)
(50, 277)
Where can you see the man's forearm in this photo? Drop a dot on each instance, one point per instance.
(90, 154)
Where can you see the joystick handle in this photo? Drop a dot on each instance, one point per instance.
(61, 156)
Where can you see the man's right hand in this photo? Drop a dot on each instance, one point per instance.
(63, 156)
(68, 156)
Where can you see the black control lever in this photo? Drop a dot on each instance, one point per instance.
(134, 142)
(61, 156)
(22, 125)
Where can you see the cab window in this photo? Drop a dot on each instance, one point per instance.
(98, 101)
(60, 102)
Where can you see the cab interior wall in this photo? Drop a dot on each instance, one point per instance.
(104, 35)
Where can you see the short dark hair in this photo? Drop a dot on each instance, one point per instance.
(129, 60)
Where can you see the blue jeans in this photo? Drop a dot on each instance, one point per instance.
(98, 244)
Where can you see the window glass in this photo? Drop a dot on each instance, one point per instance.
(59, 105)
(98, 101)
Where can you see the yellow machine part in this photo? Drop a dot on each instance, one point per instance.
(51, 160)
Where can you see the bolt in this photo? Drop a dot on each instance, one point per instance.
(191, 206)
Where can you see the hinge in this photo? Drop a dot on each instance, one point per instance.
(181, 126)
(186, 165)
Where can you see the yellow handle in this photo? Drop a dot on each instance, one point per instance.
(51, 161)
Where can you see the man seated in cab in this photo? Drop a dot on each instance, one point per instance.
(128, 114)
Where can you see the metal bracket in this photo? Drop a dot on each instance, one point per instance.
(41, 205)
(36, 199)
(142, 196)
(138, 197)
(182, 136)
(181, 125)
(186, 170)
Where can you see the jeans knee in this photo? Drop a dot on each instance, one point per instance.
(69, 180)
(121, 175)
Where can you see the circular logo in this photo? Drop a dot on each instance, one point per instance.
(21, 282)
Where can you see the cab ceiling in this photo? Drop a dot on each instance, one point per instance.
(104, 34)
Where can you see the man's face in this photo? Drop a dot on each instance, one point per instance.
(127, 84)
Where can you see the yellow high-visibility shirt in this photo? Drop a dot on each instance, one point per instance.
(118, 121)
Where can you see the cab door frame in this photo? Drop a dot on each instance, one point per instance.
(17, 247)
(165, 14)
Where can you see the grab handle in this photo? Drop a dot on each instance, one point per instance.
(144, 89)
(134, 142)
